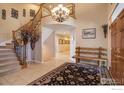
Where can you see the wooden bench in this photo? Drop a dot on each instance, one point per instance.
(91, 54)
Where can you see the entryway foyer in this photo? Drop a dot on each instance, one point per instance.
(61, 44)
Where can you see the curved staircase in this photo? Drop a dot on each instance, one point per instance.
(10, 56)
(8, 60)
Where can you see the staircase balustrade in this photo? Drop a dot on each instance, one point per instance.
(30, 32)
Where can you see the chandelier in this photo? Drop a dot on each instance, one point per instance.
(60, 13)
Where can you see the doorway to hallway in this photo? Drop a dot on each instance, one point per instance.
(62, 45)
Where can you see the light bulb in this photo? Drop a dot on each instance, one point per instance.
(60, 5)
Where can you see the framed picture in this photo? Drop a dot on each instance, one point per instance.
(60, 41)
(32, 13)
(14, 13)
(68, 41)
(89, 33)
(24, 12)
(64, 41)
(3, 14)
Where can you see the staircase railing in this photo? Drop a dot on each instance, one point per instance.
(27, 32)
(30, 31)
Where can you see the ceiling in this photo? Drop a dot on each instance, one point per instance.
(89, 9)
(83, 9)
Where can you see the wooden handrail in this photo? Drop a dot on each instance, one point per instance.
(20, 42)
(37, 12)
(23, 26)
(30, 30)
(41, 5)
(29, 21)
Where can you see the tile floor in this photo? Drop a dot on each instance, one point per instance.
(34, 71)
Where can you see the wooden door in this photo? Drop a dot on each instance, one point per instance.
(117, 40)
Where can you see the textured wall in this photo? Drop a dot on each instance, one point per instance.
(6, 26)
(91, 16)
(48, 44)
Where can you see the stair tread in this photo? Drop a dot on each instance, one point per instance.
(6, 49)
(9, 43)
(9, 63)
(2, 54)
(7, 58)
(9, 69)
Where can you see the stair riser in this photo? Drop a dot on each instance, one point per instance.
(9, 66)
(6, 47)
(9, 59)
(9, 55)
(10, 71)
(9, 43)
(11, 46)
(6, 51)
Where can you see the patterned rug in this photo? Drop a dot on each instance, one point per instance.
(75, 74)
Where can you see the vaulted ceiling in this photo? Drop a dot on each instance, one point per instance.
(89, 10)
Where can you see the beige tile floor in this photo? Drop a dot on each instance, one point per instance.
(34, 71)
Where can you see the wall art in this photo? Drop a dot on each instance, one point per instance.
(14, 13)
(32, 13)
(3, 14)
(89, 33)
(24, 12)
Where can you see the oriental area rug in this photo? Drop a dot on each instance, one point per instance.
(76, 74)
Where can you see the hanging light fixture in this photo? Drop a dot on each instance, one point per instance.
(60, 13)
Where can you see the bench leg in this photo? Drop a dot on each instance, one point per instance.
(99, 63)
(77, 60)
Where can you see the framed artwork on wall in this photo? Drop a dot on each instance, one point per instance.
(3, 14)
(68, 41)
(89, 33)
(24, 12)
(32, 13)
(60, 41)
(14, 13)
(64, 41)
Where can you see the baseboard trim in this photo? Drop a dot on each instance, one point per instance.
(33, 61)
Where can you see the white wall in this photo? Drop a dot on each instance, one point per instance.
(91, 16)
(72, 45)
(111, 8)
(6, 26)
(35, 55)
(37, 52)
(48, 44)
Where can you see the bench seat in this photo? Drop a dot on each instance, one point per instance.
(99, 53)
